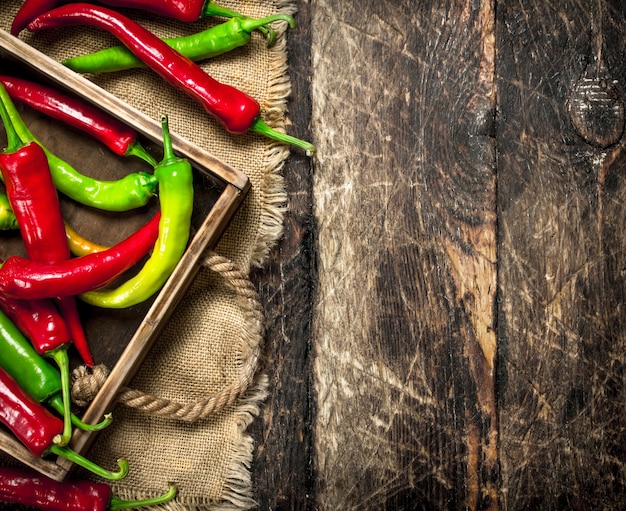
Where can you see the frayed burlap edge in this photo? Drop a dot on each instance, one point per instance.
(273, 196)
(238, 490)
(249, 391)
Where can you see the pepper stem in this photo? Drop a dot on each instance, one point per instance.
(115, 503)
(61, 358)
(136, 149)
(169, 157)
(251, 24)
(210, 8)
(168, 148)
(13, 139)
(259, 126)
(56, 403)
(81, 461)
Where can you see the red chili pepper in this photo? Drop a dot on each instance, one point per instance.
(183, 10)
(38, 429)
(30, 9)
(29, 488)
(27, 279)
(234, 109)
(116, 135)
(35, 203)
(38, 320)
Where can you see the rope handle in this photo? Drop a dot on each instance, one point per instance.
(86, 384)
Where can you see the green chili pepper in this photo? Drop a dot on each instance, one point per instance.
(33, 373)
(131, 191)
(175, 178)
(8, 222)
(207, 44)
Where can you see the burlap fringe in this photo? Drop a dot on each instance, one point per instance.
(238, 491)
(245, 393)
(273, 197)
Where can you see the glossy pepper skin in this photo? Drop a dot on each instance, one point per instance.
(183, 10)
(26, 279)
(175, 177)
(79, 245)
(37, 429)
(39, 320)
(29, 488)
(235, 110)
(30, 370)
(35, 202)
(209, 43)
(118, 137)
(132, 191)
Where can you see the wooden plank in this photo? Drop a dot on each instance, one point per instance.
(283, 460)
(403, 112)
(561, 82)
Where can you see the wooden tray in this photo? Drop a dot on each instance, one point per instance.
(118, 338)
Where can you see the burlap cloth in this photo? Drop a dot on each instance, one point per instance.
(183, 418)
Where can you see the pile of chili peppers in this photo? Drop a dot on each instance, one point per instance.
(39, 320)
(172, 59)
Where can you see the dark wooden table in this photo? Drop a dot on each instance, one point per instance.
(446, 312)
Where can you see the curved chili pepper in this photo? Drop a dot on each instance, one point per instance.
(38, 429)
(18, 357)
(131, 191)
(186, 10)
(30, 9)
(116, 135)
(26, 279)
(209, 43)
(234, 109)
(35, 202)
(175, 178)
(29, 488)
(79, 245)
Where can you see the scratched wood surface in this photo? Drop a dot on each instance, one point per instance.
(446, 310)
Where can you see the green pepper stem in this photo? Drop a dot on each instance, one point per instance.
(81, 461)
(115, 503)
(259, 126)
(168, 148)
(169, 157)
(210, 8)
(13, 139)
(61, 358)
(56, 403)
(251, 24)
(136, 149)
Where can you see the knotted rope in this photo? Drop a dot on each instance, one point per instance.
(86, 383)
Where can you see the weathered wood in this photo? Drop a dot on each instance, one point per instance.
(561, 84)
(411, 308)
(283, 461)
(404, 105)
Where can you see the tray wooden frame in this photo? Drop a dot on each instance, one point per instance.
(235, 189)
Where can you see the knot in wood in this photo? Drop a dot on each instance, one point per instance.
(597, 111)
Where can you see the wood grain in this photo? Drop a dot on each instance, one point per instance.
(283, 469)
(562, 255)
(465, 258)
(404, 106)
